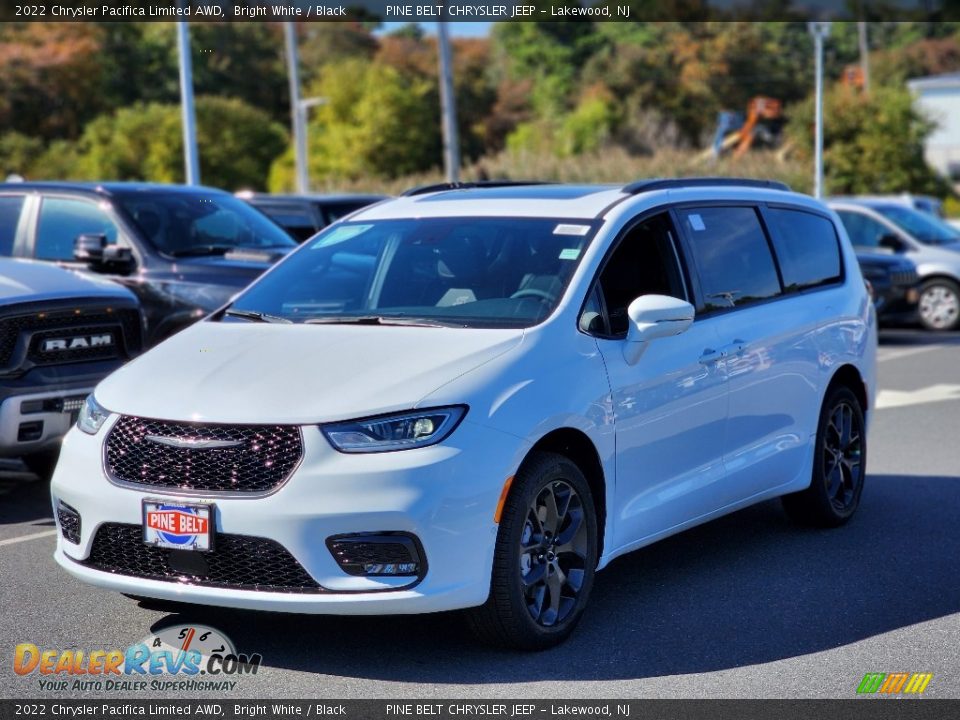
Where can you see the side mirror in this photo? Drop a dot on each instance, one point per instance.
(89, 247)
(892, 242)
(651, 317)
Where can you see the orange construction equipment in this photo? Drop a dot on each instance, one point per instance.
(759, 109)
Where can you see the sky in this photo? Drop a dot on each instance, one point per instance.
(457, 29)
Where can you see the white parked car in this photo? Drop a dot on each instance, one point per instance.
(477, 397)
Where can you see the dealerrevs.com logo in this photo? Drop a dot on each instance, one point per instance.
(180, 657)
(894, 683)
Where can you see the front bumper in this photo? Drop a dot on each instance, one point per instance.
(445, 495)
(35, 422)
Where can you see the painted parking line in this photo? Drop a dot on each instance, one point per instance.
(24, 538)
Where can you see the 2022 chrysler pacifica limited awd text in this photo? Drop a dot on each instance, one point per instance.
(476, 397)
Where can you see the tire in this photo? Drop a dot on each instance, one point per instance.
(540, 613)
(42, 463)
(839, 464)
(939, 307)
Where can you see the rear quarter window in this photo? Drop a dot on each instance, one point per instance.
(807, 248)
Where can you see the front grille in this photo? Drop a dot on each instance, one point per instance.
(905, 277)
(69, 520)
(236, 561)
(262, 459)
(124, 324)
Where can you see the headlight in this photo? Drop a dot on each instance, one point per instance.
(394, 432)
(92, 416)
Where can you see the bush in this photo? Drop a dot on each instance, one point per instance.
(872, 143)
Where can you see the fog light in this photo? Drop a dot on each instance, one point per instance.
(69, 520)
(378, 554)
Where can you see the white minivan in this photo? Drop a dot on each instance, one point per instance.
(476, 396)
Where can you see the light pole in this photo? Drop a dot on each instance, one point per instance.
(864, 54)
(190, 155)
(448, 105)
(819, 30)
(297, 114)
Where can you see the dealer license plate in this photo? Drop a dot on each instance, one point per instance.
(177, 526)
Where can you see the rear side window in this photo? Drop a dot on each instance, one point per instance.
(10, 206)
(807, 248)
(732, 256)
(62, 220)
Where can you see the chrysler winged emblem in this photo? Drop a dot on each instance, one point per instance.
(190, 443)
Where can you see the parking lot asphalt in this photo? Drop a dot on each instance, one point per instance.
(745, 606)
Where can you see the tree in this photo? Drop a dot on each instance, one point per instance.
(375, 122)
(237, 144)
(872, 143)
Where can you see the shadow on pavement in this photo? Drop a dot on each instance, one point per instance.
(916, 337)
(745, 589)
(23, 496)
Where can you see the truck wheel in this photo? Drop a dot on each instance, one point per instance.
(42, 463)
(544, 559)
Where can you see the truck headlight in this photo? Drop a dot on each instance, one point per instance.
(402, 431)
(92, 416)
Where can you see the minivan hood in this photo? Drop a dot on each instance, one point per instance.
(295, 374)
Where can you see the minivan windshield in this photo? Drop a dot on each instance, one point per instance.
(924, 227)
(466, 272)
(181, 224)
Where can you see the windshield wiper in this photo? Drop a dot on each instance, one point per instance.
(380, 320)
(201, 250)
(256, 316)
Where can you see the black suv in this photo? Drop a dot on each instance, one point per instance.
(60, 334)
(303, 216)
(894, 283)
(183, 250)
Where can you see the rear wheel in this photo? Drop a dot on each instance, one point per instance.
(839, 464)
(544, 560)
(42, 463)
(940, 304)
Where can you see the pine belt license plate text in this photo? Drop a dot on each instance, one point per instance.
(177, 526)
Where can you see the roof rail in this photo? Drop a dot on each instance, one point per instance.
(439, 187)
(641, 186)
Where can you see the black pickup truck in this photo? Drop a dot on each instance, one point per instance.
(60, 334)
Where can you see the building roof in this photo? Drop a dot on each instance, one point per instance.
(936, 82)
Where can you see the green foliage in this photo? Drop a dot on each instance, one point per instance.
(18, 154)
(872, 143)
(376, 122)
(144, 142)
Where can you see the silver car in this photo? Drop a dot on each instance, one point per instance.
(933, 245)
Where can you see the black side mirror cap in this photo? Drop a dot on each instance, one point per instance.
(892, 242)
(89, 247)
(117, 255)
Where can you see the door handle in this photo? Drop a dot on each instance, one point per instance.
(710, 356)
(737, 347)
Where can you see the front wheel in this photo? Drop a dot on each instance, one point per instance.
(839, 464)
(940, 305)
(544, 559)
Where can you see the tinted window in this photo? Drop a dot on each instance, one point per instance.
(62, 220)
(807, 248)
(296, 221)
(644, 263)
(732, 255)
(180, 223)
(10, 206)
(334, 211)
(863, 230)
